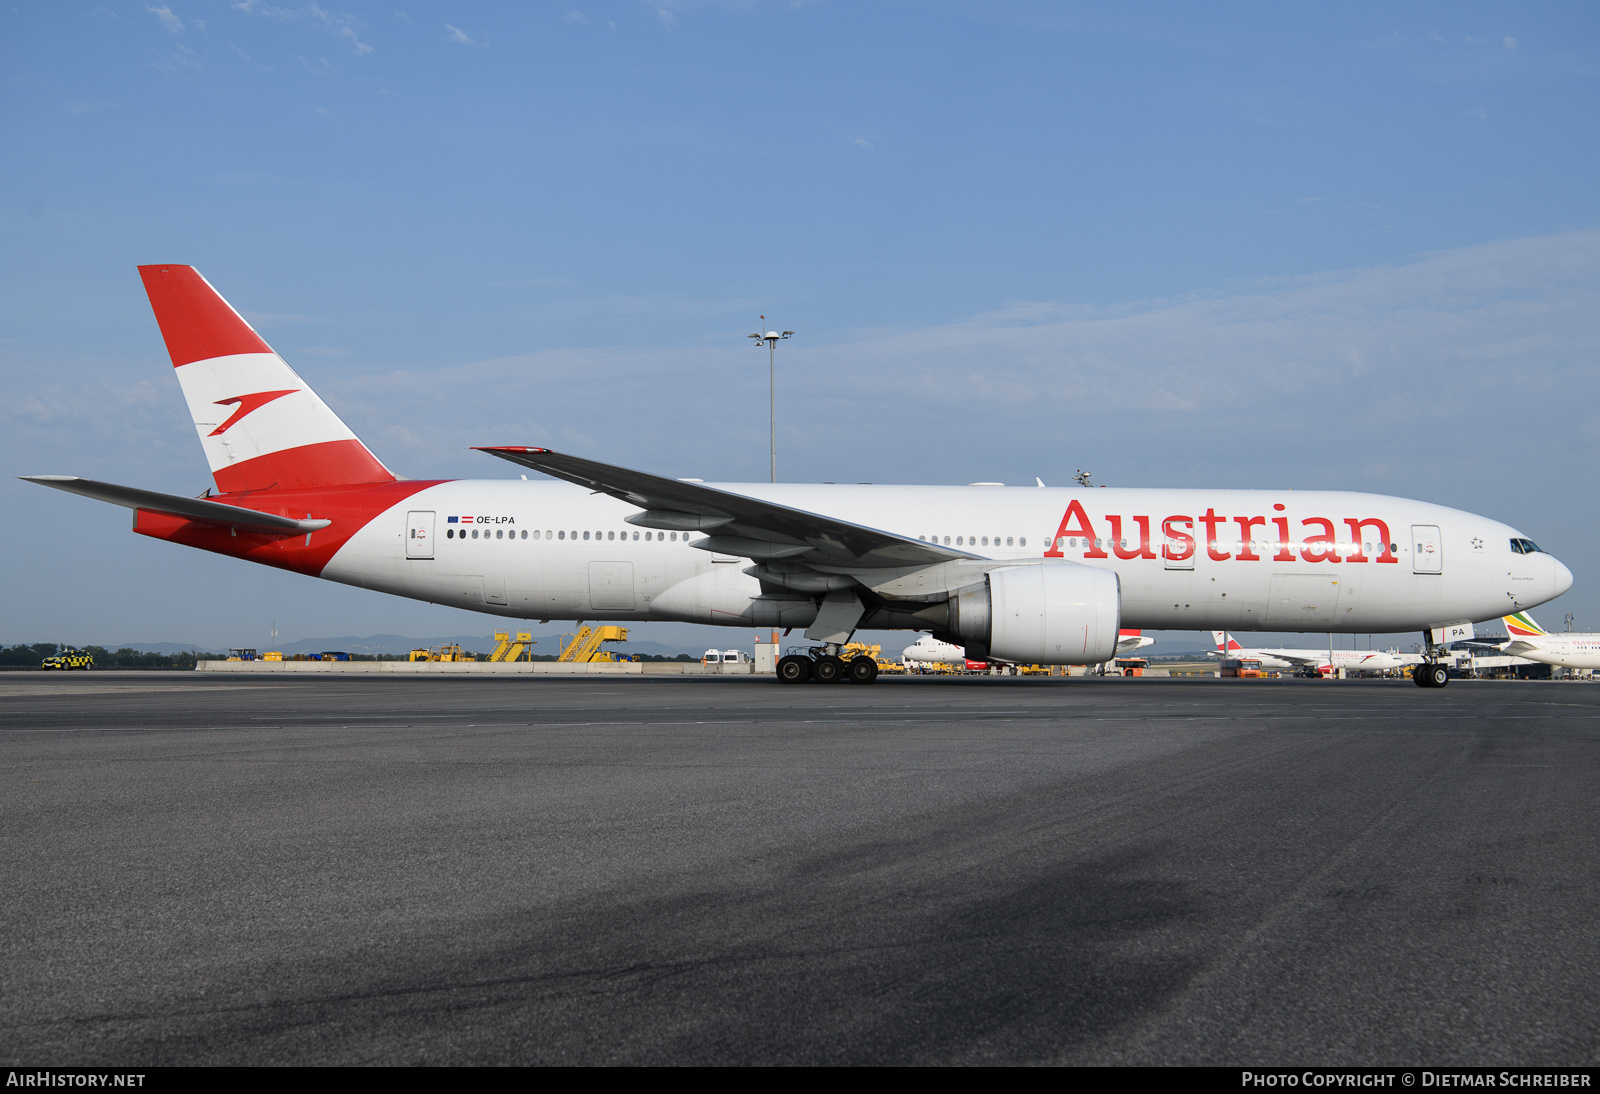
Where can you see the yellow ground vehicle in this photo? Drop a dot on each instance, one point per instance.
(68, 659)
(585, 645)
(442, 653)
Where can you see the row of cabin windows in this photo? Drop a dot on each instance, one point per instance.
(501, 533)
(973, 541)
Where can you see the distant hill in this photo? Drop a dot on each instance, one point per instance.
(155, 647)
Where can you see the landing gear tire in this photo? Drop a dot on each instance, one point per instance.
(1430, 676)
(794, 669)
(863, 670)
(828, 670)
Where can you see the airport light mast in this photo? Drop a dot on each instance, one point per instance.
(772, 338)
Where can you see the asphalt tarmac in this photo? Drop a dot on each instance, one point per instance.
(695, 870)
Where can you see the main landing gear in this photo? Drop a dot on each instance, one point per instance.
(824, 665)
(1430, 674)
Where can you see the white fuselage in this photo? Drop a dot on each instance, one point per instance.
(928, 650)
(1573, 651)
(1365, 660)
(1189, 559)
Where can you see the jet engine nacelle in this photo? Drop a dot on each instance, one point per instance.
(1051, 614)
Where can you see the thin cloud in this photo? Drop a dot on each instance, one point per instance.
(456, 34)
(341, 24)
(168, 20)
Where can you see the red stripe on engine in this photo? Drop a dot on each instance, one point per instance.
(196, 323)
(327, 463)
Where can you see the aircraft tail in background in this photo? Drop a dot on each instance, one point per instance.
(1521, 625)
(1233, 643)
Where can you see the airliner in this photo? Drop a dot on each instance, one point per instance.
(1528, 639)
(1033, 575)
(930, 651)
(1321, 660)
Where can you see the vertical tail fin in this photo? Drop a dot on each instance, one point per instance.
(260, 425)
(1521, 625)
(1233, 643)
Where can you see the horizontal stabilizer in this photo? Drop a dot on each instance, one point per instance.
(199, 509)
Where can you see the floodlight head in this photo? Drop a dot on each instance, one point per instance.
(752, 336)
(787, 333)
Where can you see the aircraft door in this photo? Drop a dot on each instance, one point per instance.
(1427, 549)
(494, 588)
(419, 535)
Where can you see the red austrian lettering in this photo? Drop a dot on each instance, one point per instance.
(1319, 548)
(1386, 554)
(1119, 546)
(1246, 544)
(1285, 544)
(1211, 520)
(1084, 528)
(1183, 540)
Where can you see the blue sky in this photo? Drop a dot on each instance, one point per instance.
(1346, 246)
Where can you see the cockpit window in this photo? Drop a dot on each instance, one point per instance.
(1526, 547)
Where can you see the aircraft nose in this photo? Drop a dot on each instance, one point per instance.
(1563, 577)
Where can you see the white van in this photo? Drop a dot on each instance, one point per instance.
(712, 657)
(735, 657)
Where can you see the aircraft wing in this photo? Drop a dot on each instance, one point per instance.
(199, 509)
(735, 524)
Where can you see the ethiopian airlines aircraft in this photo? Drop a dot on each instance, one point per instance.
(1320, 660)
(1030, 575)
(1528, 639)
